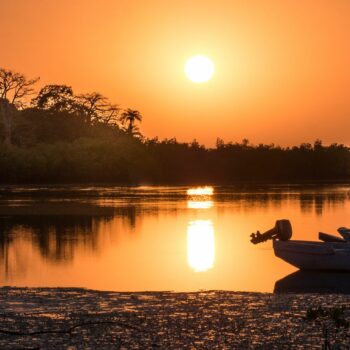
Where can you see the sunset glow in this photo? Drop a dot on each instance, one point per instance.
(199, 69)
(281, 63)
(168, 161)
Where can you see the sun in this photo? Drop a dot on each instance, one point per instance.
(199, 69)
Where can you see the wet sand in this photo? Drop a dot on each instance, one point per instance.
(70, 318)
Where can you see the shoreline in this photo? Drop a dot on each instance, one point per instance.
(200, 183)
(50, 318)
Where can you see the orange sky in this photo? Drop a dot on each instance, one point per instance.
(282, 67)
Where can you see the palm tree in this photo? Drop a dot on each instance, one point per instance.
(130, 116)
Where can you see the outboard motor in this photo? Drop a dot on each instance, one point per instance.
(345, 232)
(282, 231)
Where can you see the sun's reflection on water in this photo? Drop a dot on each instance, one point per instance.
(199, 204)
(200, 245)
(201, 191)
(128, 239)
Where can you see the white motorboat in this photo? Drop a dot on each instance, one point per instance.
(319, 256)
(332, 253)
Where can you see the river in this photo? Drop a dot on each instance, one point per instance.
(157, 238)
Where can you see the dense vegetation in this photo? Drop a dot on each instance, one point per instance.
(56, 136)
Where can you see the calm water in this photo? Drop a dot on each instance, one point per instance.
(157, 238)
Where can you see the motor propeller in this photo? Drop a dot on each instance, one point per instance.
(282, 231)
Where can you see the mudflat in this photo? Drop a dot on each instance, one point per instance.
(71, 318)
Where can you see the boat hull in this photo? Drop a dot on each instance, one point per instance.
(314, 256)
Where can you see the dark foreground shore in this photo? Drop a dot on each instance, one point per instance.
(59, 318)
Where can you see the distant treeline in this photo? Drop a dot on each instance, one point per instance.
(55, 136)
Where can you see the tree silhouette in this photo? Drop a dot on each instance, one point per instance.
(7, 113)
(64, 137)
(93, 107)
(55, 98)
(96, 108)
(129, 117)
(15, 87)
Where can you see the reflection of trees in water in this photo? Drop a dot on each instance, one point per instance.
(5, 241)
(318, 201)
(129, 213)
(56, 237)
(308, 201)
(133, 212)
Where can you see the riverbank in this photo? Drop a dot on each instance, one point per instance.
(118, 158)
(62, 318)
